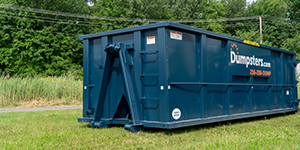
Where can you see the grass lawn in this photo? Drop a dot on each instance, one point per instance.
(60, 130)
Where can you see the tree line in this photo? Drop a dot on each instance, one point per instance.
(33, 42)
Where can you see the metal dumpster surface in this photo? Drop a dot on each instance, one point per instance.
(168, 75)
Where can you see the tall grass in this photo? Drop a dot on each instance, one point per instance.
(39, 91)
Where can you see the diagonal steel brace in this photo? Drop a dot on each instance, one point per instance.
(114, 51)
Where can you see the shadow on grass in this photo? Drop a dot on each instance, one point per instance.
(88, 125)
(198, 127)
(214, 125)
(85, 125)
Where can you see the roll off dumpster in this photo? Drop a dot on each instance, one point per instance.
(168, 75)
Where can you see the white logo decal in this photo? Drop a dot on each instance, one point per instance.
(247, 60)
(176, 113)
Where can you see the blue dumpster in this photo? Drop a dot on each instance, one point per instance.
(169, 75)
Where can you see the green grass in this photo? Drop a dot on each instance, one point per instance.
(38, 91)
(60, 130)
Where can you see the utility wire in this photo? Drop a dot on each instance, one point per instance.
(36, 30)
(283, 21)
(228, 25)
(216, 20)
(50, 21)
(282, 28)
(222, 26)
(291, 25)
(54, 19)
(206, 26)
(6, 6)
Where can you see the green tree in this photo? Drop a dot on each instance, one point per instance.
(200, 9)
(235, 8)
(275, 29)
(251, 35)
(112, 8)
(276, 8)
(294, 9)
(139, 9)
(293, 44)
(71, 6)
(187, 9)
(47, 52)
(150, 9)
(30, 47)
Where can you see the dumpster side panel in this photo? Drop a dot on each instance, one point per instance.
(215, 98)
(288, 79)
(276, 92)
(243, 71)
(93, 61)
(228, 77)
(86, 99)
(183, 67)
(240, 99)
(96, 62)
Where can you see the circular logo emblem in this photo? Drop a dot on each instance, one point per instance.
(176, 113)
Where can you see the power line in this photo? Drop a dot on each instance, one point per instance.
(54, 19)
(282, 28)
(283, 21)
(68, 23)
(223, 26)
(50, 21)
(289, 23)
(216, 20)
(37, 30)
(206, 26)
(229, 25)
(296, 25)
(6, 6)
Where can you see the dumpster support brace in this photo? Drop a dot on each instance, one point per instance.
(121, 51)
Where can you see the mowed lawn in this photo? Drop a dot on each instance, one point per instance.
(60, 130)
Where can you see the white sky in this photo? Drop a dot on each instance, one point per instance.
(250, 1)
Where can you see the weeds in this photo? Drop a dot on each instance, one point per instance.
(39, 91)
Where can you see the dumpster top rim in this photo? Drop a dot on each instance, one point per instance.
(175, 25)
